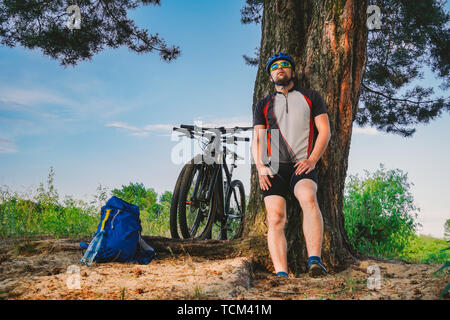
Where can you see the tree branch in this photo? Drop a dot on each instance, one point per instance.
(120, 23)
(396, 99)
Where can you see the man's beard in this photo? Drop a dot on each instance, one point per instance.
(283, 80)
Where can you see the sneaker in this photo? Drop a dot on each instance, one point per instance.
(316, 269)
(282, 274)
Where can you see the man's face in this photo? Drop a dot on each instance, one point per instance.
(281, 74)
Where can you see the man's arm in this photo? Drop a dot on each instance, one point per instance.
(323, 127)
(257, 152)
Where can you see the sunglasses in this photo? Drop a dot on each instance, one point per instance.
(280, 64)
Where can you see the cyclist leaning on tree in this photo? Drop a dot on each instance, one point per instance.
(300, 116)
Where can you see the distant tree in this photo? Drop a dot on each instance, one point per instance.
(137, 194)
(166, 197)
(104, 23)
(447, 230)
(47, 195)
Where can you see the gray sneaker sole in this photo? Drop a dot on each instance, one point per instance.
(316, 271)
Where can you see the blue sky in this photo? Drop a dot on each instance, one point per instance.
(107, 121)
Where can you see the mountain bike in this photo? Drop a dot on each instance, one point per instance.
(204, 205)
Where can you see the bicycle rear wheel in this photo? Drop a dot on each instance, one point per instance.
(174, 206)
(233, 221)
(195, 213)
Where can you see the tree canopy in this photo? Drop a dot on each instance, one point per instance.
(42, 24)
(413, 35)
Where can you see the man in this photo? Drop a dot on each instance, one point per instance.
(300, 116)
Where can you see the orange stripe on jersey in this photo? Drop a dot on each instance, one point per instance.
(311, 125)
(267, 127)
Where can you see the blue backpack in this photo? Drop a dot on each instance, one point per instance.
(118, 236)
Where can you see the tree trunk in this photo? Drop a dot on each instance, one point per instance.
(327, 40)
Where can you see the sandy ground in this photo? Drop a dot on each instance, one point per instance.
(50, 269)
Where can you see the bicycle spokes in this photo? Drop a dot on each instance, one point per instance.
(232, 226)
(196, 208)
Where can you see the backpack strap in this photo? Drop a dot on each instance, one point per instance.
(104, 219)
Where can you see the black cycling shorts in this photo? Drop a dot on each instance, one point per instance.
(284, 179)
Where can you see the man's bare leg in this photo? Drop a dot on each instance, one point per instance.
(276, 219)
(305, 192)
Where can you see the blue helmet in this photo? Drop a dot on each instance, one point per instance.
(279, 56)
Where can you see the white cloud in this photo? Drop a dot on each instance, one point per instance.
(141, 132)
(55, 105)
(166, 129)
(237, 121)
(7, 146)
(366, 130)
(122, 125)
(31, 97)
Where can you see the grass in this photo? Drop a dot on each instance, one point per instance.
(426, 250)
(42, 213)
(198, 293)
(21, 217)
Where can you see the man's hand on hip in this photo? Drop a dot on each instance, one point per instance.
(305, 165)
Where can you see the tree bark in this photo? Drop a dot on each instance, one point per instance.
(327, 40)
(253, 247)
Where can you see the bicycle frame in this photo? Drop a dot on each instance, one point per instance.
(217, 177)
(210, 181)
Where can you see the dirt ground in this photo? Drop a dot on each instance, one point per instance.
(50, 269)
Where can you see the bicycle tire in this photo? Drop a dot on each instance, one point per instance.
(174, 206)
(232, 228)
(202, 217)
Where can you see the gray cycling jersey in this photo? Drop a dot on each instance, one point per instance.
(293, 115)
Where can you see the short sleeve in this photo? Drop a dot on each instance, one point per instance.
(318, 105)
(258, 115)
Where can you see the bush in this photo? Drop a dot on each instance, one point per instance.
(379, 212)
(425, 249)
(41, 213)
(154, 214)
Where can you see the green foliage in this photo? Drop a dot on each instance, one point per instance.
(47, 196)
(413, 34)
(447, 230)
(44, 215)
(379, 212)
(154, 213)
(445, 270)
(137, 194)
(425, 249)
(42, 25)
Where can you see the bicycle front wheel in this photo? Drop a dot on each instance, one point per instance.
(195, 213)
(233, 222)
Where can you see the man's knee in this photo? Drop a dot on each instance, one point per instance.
(276, 218)
(276, 211)
(306, 196)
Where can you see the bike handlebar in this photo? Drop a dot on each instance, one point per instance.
(193, 131)
(234, 139)
(220, 129)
